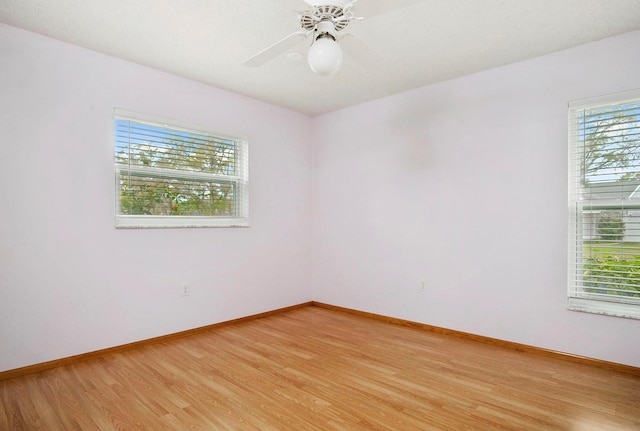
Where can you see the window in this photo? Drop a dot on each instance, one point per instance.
(604, 203)
(171, 176)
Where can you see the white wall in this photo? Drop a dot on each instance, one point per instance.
(464, 185)
(69, 281)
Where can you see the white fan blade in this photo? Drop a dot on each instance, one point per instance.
(276, 49)
(370, 8)
(362, 53)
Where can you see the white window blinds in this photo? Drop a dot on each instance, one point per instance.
(604, 200)
(168, 175)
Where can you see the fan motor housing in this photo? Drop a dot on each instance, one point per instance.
(310, 19)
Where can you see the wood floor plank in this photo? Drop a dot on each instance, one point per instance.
(319, 369)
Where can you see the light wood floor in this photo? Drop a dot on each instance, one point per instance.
(319, 369)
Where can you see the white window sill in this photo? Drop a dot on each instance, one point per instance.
(142, 222)
(629, 311)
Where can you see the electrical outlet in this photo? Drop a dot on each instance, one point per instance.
(423, 286)
(185, 290)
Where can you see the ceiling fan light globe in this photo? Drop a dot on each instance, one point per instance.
(325, 56)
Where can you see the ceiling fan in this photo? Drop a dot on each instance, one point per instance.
(324, 23)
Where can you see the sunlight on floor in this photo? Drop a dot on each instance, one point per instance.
(594, 423)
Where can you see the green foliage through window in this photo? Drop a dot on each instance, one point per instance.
(612, 275)
(611, 227)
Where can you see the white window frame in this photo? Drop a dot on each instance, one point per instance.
(240, 180)
(578, 298)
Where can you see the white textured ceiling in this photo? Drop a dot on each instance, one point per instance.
(427, 42)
